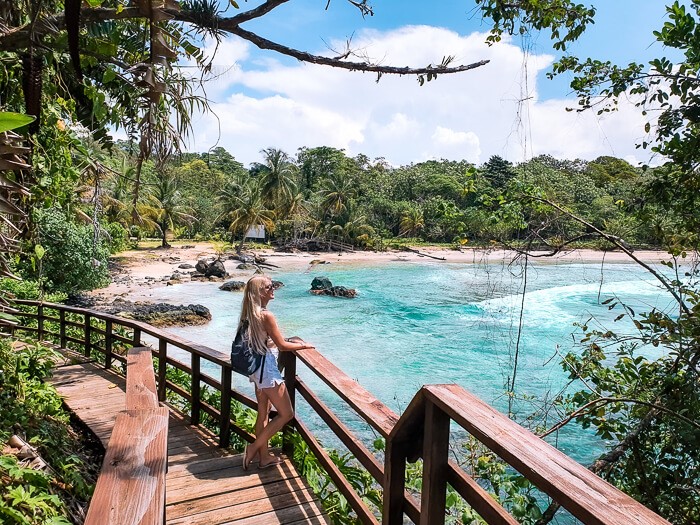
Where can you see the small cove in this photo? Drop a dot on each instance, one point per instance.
(433, 322)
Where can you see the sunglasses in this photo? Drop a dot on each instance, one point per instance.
(270, 287)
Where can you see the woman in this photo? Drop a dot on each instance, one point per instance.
(265, 338)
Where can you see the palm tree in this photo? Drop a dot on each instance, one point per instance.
(277, 179)
(355, 228)
(245, 207)
(165, 205)
(336, 194)
(412, 222)
(115, 197)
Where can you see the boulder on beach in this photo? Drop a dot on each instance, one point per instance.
(246, 266)
(216, 269)
(186, 266)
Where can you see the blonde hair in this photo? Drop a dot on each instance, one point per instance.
(252, 312)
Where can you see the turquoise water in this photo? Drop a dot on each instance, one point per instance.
(432, 322)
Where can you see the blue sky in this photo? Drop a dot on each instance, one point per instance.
(265, 100)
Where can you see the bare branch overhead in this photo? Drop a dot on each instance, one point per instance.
(19, 38)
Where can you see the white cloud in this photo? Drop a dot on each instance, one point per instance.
(472, 115)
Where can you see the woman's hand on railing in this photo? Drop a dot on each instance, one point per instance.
(303, 345)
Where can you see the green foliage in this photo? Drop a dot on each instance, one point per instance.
(118, 237)
(565, 20)
(27, 289)
(650, 395)
(72, 261)
(30, 406)
(10, 120)
(333, 501)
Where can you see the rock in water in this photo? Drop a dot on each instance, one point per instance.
(323, 286)
(337, 291)
(321, 283)
(160, 314)
(232, 286)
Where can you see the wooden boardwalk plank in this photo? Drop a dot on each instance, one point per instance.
(204, 484)
(133, 470)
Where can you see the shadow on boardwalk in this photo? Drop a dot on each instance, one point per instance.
(205, 485)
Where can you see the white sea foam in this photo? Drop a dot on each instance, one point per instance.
(567, 304)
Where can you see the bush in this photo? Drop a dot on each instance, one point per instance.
(118, 237)
(31, 407)
(71, 262)
(29, 290)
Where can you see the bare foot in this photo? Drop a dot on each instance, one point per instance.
(271, 461)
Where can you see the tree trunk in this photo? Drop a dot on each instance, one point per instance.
(164, 240)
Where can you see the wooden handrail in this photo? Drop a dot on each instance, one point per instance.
(421, 432)
(130, 489)
(376, 413)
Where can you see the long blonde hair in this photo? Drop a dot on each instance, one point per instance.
(252, 311)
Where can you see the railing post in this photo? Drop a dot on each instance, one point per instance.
(40, 321)
(108, 344)
(225, 428)
(435, 448)
(394, 483)
(88, 334)
(289, 362)
(196, 389)
(137, 337)
(162, 368)
(62, 328)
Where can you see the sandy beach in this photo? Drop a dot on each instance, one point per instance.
(134, 270)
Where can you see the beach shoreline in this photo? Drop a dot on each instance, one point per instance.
(141, 268)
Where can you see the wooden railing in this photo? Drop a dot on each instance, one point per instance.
(136, 458)
(421, 432)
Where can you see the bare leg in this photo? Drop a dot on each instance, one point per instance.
(262, 420)
(279, 398)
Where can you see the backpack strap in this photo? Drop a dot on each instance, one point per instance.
(262, 367)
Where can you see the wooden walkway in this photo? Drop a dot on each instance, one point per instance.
(204, 484)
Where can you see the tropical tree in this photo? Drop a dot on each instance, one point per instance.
(498, 171)
(336, 193)
(244, 208)
(277, 180)
(166, 207)
(115, 195)
(412, 222)
(317, 164)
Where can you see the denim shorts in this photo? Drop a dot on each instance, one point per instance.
(271, 375)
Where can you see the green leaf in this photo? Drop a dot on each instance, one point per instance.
(8, 317)
(10, 120)
(108, 76)
(39, 251)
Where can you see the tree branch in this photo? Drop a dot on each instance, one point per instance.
(261, 10)
(303, 56)
(608, 400)
(19, 38)
(622, 246)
